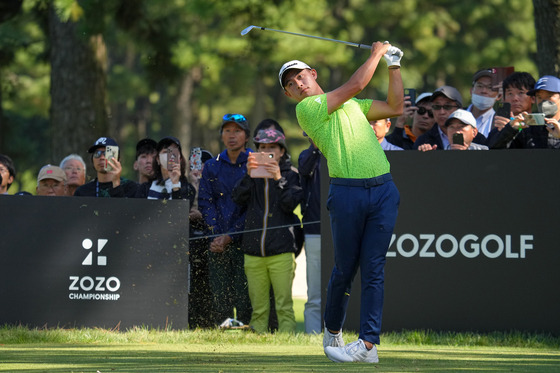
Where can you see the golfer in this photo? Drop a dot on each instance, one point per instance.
(362, 201)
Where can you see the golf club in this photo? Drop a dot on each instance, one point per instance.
(363, 46)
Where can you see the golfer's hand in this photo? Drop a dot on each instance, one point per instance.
(393, 57)
(379, 48)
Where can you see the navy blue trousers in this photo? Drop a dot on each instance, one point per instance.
(363, 213)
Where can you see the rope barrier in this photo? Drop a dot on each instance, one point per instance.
(251, 230)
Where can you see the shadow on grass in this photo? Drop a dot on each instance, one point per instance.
(261, 358)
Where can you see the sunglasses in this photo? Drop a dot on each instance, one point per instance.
(235, 118)
(444, 107)
(98, 153)
(422, 110)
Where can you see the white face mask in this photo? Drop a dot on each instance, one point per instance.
(482, 102)
(163, 160)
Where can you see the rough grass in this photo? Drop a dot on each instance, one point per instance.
(147, 350)
(144, 349)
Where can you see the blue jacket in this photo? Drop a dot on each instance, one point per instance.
(219, 177)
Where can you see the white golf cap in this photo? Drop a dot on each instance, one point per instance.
(294, 64)
(464, 116)
(423, 96)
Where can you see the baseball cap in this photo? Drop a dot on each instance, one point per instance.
(546, 83)
(51, 172)
(423, 96)
(101, 143)
(449, 92)
(294, 64)
(166, 141)
(463, 115)
(205, 155)
(270, 136)
(238, 119)
(480, 73)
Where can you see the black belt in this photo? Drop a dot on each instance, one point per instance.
(366, 183)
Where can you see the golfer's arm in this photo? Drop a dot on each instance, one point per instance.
(394, 105)
(359, 80)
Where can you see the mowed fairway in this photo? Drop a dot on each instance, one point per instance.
(218, 351)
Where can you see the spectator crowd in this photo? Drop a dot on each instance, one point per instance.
(244, 235)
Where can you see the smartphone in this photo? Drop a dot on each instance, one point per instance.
(172, 157)
(503, 109)
(458, 139)
(412, 93)
(500, 73)
(196, 159)
(260, 171)
(111, 151)
(534, 119)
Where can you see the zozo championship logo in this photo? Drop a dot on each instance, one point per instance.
(94, 287)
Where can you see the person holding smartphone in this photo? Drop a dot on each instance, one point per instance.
(420, 111)
(514, 102)
(520, 134)
(108, 182)
(270, 198)
(170, 179)
(462, 130)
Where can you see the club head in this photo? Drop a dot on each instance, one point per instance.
(246, 31)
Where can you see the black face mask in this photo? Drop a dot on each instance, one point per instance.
(548, 108)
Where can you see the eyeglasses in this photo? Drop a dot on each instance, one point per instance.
(235, 118)
(98, 153)
(487, 86)
(422, 110)
(444, 107)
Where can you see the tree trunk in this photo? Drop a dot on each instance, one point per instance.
(78, 80)
(184, 114)
(547, 26)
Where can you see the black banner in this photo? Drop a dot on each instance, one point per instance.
(474, 248)
(94, 262)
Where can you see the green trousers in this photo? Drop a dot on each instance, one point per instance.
(278, 271)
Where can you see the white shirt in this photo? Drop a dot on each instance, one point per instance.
(484, 122)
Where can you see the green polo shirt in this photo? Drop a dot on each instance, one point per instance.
(344, 137)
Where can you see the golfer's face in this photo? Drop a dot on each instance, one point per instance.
(301, 84)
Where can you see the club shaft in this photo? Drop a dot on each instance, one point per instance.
(357, 45)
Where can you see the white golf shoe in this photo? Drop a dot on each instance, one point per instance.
(331, 339)
(352, 352)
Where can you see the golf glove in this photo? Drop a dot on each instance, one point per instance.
(393, 56)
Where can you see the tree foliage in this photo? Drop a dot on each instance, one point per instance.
(176, 66)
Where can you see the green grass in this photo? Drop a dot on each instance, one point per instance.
(143, 349)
